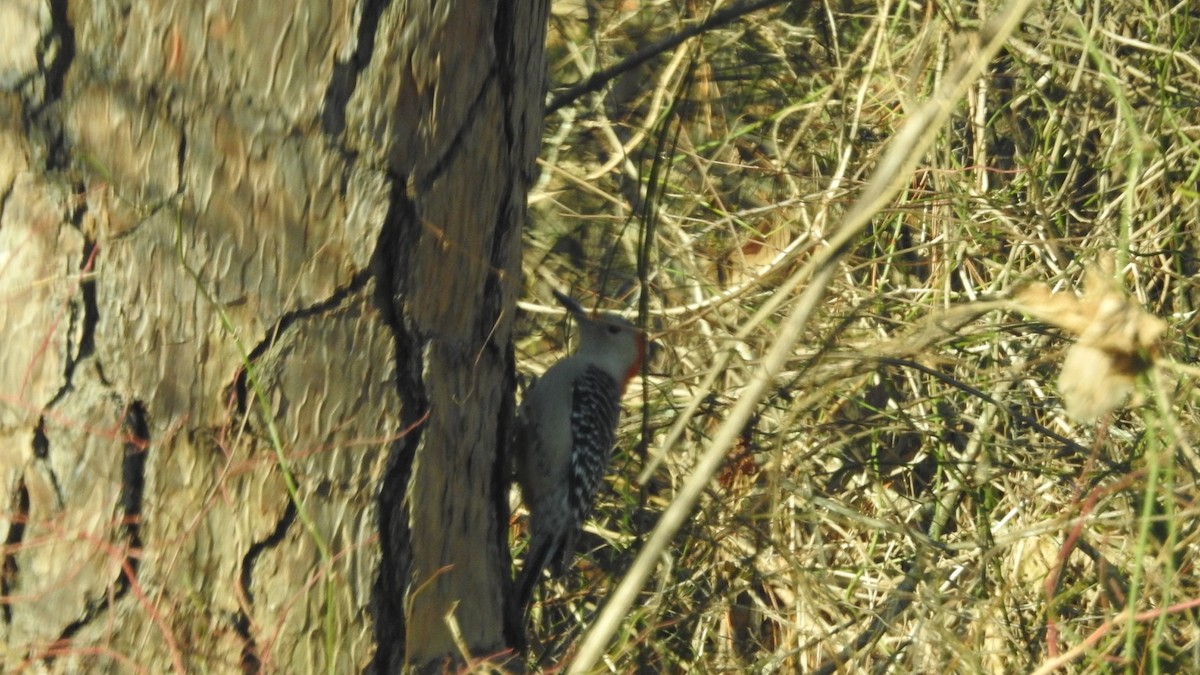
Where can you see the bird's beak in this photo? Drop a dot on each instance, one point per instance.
(569, 302)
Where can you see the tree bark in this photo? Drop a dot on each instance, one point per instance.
(257, 270)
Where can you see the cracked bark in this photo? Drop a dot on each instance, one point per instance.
(202, 203)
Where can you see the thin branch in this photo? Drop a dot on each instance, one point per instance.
(599, 79)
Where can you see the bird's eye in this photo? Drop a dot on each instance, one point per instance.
(613, 330)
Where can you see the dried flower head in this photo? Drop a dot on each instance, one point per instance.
(1116, 340)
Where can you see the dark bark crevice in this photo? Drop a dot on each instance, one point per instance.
(391, 586)
(344, 78)
(251, 663)
(18, 510)
(85, 313)
(90, 311)
(133, 482)
(336, 299)
(56, 56)
(41, 452)
(63, 55)
(509, 220)
(41, 444)
(136, 429)
(181, 158)
(437, 166)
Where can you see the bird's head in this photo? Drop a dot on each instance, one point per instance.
(613, 341)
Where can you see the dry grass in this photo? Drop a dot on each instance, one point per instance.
(909, 495)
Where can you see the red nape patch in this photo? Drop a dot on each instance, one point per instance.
(637, 363)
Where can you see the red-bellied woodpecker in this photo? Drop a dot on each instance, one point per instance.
(565, 431)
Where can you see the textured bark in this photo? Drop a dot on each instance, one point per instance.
(257, 265)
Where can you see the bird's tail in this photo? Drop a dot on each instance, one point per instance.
(541, 551)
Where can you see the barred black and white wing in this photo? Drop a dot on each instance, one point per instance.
(595, 409)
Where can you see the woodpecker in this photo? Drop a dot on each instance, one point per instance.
(565, 431)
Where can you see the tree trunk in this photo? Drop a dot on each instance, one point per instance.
(257, 270)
